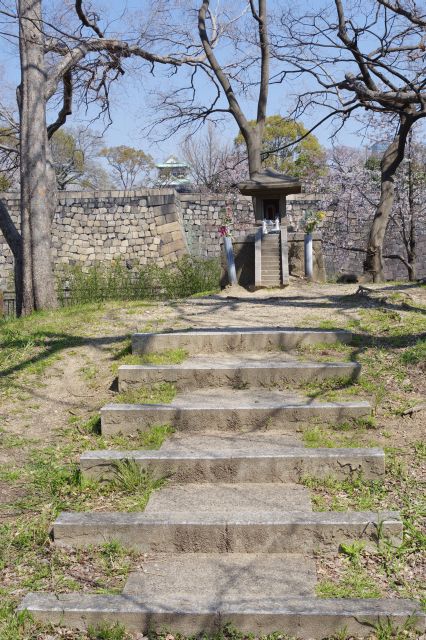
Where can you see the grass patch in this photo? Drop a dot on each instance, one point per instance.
(107, 632)
(347, 434)
(415, 354)
(355, 583)
(355, 493)
(324, 352)
(157, 393)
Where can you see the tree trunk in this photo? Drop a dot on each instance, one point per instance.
(411, 248)
(392, 158)
(253, 144)
(38, 280)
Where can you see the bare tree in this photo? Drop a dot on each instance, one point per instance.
(252, 134)
(215, 166)
(369, 55)
(54, 62)
(233, 53)
(409, 212)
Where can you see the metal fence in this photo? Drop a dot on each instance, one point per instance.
(8, 299)
(9, 304)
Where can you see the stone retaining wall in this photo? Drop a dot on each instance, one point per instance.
(137, 226)
(159, 225)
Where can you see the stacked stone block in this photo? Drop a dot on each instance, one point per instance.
(202, 215)
(140, 227)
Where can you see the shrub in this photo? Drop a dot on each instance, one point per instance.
(102, 282)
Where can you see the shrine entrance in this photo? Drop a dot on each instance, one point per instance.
(271, 210)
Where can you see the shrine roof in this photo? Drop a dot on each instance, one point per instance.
(270, 181)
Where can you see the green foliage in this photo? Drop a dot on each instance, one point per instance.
(5, 183)
(68, 158)
(353, 550)
(103, 282)
(129, 166)
(304, 160)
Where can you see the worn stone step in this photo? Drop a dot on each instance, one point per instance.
(228, 410)
(236, 339)
(297, 616)
(210, 579)
(227, 528)
(261, 457)
(232, 370)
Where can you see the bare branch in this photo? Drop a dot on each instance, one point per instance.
(85, 20)
(66, 109)
(412, 16)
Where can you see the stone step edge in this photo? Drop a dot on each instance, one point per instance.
(122, 406)
(134, 518)
(287, 453)
(208, 340)
(191, 531)
(265, 364)
(306, 616)
(292, 463)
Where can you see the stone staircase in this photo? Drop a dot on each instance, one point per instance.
(271, 260)
(232, 536)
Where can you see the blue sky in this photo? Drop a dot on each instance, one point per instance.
(131, 104)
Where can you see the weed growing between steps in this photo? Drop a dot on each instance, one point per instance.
(157, 393)
(172, 356)
(355, 433)
(324, 352)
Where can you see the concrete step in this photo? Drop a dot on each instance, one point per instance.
(270, 244)
(271, 238)
(236, 339)
(228, 410)
(205, 462)
(232, 370)
(227, 519)
(297, 616)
